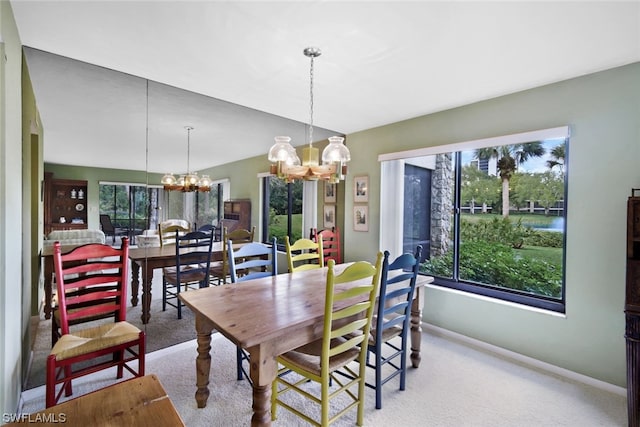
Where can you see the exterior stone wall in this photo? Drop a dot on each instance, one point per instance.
(441, 204)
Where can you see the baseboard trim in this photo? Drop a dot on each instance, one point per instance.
(535, 363)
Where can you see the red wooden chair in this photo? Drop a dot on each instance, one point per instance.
(330, 243)
(92, 281)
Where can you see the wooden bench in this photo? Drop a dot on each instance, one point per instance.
(139, 402)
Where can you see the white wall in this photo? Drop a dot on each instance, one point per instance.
(11, 326)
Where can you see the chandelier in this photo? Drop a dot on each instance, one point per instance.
(285, 161)
(190, 181)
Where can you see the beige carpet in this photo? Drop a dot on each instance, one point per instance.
(456, 385)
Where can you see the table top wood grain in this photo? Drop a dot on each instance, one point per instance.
(140, 402)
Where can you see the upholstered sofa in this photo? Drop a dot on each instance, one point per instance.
(148, 239)
(74, 237)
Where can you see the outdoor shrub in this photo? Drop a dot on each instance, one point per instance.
(550, 239)
(495, 231)
(499, 265)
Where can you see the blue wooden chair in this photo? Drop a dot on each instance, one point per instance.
(193, 261)
(392, 320)
(251, 261)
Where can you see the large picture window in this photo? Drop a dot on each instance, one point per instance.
(138, 207)
(126, 205)
(491, 215)
(199, 208)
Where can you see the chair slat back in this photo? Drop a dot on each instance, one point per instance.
(394, 303)
(193, 257)
(239, 235)
(167, 230)
(106, 224)
(207, 228)
(354, 320)
(304, 254)
(252, 260)
(330, 243)
(91, 281)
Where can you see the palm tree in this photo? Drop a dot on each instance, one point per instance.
(558, 156)
(509, 157)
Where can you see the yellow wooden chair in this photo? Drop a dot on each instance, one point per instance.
(341, 344)
(304, 254)
(167, 230)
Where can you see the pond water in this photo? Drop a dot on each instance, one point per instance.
(555, 225)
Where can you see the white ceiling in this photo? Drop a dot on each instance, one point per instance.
(381, 62)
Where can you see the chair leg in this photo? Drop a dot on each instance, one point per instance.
(51, 381)
(68, 387)
(178, 305)
(120, 355)
(403, 363)
(361, 386)
(378, 357)
(164, 294)
(142, 354)
(239, 358)
(324, 418)
(54, 331)
(274, 397)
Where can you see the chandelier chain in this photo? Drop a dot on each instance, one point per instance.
(188, 148)
(311, 103)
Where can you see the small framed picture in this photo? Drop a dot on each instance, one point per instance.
(361, 218)
(329, 192)
(361, 189)
(329, 216)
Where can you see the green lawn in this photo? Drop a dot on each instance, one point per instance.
(551, 255)
(278, 227)
(532, 220)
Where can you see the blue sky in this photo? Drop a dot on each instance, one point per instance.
(536, 164)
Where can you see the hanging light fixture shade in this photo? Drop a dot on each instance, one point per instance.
(285, 163)
(336, 154)
(190, 181)
(168, 179)
(205, 181)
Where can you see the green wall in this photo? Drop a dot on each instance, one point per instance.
(602, 111)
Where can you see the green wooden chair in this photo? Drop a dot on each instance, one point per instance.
(349, 306)
(304, 254)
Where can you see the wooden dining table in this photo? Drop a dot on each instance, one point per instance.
(149, 259)
(268, 317)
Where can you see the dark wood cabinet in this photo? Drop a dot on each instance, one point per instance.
(240, 211)
(65, 204)
(632, 308)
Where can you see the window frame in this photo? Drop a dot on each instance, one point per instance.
(266, 209)
(390, 199)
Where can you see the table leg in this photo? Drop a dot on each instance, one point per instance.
(416, 328)
(135, 282)
(147, 279)
(48, 285)
(203, 361)
(263, 373)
